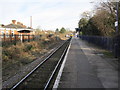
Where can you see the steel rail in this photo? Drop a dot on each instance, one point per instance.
(54, 71)
(16, 85)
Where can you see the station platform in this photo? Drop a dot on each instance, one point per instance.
(83, 69)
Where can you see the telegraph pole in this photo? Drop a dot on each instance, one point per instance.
(116, 23)
(31, 21)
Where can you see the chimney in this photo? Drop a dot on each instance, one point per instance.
(21, 24)
(24, 26)
(31, 21)
(18, 23)
(14, 21)
(2, 25)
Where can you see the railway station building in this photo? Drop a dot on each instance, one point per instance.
(15, 29)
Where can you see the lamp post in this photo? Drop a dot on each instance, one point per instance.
(116, 32)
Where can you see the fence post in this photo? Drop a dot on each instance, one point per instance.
(28, 38)
(15, 39)
(4, 37)
(33, 37)
(23, 37)
(117, 47)
(10, 38)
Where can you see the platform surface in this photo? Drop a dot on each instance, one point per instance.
(82, 69)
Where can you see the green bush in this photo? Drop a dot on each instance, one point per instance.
(28, 47)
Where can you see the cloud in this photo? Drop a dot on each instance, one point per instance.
(53, 1)
(49, 14)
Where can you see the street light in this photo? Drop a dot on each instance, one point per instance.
(116, 23)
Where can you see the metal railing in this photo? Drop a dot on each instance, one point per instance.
(108, 43)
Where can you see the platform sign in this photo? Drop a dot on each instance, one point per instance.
(116, 23)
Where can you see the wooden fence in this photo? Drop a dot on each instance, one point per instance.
(16, 38)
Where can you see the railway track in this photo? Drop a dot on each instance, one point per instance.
(44, 74)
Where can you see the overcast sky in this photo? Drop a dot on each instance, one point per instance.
(46, 14)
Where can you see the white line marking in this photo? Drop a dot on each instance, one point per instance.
(55, 86)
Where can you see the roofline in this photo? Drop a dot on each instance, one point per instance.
(18, 29)
(24, 29)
